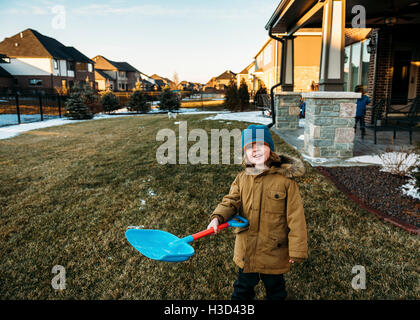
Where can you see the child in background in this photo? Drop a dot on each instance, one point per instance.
(361, 110)
(267, 195)
(302, 108)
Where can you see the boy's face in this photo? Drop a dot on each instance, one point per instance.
(257, 153)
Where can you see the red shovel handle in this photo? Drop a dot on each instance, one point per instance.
(210, 231)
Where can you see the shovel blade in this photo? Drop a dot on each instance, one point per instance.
(158, 245)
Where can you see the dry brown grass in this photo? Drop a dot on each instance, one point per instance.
(68, 193)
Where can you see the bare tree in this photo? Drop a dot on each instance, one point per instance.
(175, 80)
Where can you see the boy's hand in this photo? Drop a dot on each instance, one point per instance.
(214, 224)
(291, 261)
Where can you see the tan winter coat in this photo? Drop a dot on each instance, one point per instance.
(271, 201)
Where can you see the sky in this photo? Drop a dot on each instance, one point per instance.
(197, 39)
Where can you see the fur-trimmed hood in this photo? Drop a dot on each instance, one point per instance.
(283, 164)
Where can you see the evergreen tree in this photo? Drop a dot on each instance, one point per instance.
(243, 95)
(76, 108)
(109, 102)
(259, 101)
(232, 96)
(169, 100)
(138, 102)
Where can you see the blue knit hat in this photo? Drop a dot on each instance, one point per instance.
(256, 133)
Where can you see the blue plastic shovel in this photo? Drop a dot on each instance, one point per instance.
(164, 246)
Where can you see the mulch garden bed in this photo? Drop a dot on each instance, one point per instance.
(377, 192)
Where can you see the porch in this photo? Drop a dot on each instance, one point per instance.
(364, 44)
(361, 147)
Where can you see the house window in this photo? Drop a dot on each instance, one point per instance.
(71, 84)
(365, 64)
(55, 64)
(81, 66)
(64, 83)
(356, 66)
(267, 54)
(346, 66)
(70, 66)
(90, 67)
(35, 82)
(122, 74)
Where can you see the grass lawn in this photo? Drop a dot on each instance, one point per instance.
(68, 193)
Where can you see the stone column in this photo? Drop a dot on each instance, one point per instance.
(287, 110)
(329, 127)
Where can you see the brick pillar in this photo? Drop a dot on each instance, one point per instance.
(329, 128)
(287, 106)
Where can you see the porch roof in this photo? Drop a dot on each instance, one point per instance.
(291, 15)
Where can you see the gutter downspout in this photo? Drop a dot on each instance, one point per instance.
(273, 112)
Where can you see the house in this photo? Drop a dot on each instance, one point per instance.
(41, 63)
(383, 55)
(162, 82)
(220, 82)
(6, 79)
(248, 75)
(223, 80)
(266, 67)
(117, 76)
(188, 86)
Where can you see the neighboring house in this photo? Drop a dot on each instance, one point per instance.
(147, 85)
(251, 80)
(120, 76)
(104, 81)
(6, 79)
(267, 61)
(223, 80)
(188, 86)
(41, 63)
(220, 82)
(162, 82)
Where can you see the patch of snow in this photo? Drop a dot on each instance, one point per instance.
(410, 189)
(14, 130)
(318, 160)
(301, 137)
(373, 159)
(251, 116)
(389, 160)
(302, 123)
(152, 193)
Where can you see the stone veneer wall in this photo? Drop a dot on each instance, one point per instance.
(329, 128)
(287, 106)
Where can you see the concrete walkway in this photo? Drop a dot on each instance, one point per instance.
(362, 147)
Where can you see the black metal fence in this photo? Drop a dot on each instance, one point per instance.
(17, 108)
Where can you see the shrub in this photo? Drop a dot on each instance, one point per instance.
(109, 102)
(169, 100)
(138, 102)
(401, 162)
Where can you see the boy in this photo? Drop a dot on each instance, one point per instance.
(267, 195)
